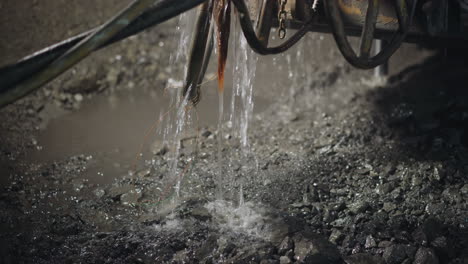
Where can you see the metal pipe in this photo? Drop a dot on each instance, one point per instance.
(200, 53)
(381, 70)
(367, 36)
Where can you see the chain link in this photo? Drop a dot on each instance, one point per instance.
(282, 16)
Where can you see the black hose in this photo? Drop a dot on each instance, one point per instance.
(251, 36)
(336, 23)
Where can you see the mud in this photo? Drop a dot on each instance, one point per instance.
(349, 171)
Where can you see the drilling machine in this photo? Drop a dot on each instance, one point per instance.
(441, 23)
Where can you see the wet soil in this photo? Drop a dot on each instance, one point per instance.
(342, 169)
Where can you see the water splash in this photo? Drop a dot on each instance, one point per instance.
(250, 219)
(241, 196)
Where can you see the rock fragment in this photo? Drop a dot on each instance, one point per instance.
(363, 258)
(394, 254)
(370, 242)
(315, 250)
(285, 260)
(425, 256)
(286, 245)
(358, 207)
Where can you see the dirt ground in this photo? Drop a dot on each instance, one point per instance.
(24, 23)
(342, 169)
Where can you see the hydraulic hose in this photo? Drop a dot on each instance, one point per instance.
(255, 43)
(364, 62)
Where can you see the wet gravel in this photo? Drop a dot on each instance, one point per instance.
(351, 172)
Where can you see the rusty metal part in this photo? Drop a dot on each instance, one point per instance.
(222, 16)
(354, 12)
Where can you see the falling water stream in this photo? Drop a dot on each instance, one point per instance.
(97, 130)
(242, 105)
(219, 184)
(243, 62)
(178, 117)
(243, 76)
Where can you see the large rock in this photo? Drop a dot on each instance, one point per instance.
(428, 231)
(315, 249)
(442, 247)
(425, 256)
(286, 245)
(336, 236)
(358, 207)
(394, 254)
(249, 256)
(285, 260)
(370, 242)
(208, 247)
(195, 208)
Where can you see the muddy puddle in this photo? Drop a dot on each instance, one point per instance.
(110, 130)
